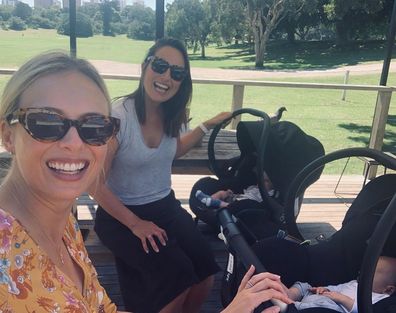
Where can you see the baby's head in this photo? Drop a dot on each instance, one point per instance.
(385, 275)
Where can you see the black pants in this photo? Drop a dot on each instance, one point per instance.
(150, 281)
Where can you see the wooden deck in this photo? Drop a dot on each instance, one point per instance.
(322, 213)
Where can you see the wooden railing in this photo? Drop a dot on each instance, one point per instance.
(381, 107)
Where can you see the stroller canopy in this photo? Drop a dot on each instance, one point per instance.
(287, 151)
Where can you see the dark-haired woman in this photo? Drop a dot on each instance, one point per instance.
(163, 262)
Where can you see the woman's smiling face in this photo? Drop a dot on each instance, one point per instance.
(161, 87)
(62, 169)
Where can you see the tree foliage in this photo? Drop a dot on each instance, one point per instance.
(109, 11)
(47, 18)
(16, 23)
(6, 12)
(141, 21)
(231, 20)
(190, 21)
(299, 22)
(83, 26)
(264, 17)
(350, 16)
(22, 10)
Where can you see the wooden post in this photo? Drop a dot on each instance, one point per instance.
(346, 79)
(237, 103)
(379, 123)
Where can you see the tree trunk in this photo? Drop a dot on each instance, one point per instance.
(203, 55)
(342, 32)
(257, 48)
(262, 49)
(291, 33)
(262, 25)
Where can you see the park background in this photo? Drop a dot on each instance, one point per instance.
(300, 41)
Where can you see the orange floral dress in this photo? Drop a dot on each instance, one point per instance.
(30, 282)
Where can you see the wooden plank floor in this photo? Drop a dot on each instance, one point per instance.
(322, 212)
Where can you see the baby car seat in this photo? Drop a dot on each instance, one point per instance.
(280, 150)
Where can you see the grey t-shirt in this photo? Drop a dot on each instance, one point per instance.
(139, 174)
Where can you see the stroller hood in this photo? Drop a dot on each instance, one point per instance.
(288, 150)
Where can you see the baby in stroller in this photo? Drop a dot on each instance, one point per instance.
(342, 297)
(223, 198)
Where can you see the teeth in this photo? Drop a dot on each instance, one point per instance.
(161, 86)
(67, 167)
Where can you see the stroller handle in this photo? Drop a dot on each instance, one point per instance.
(243, 250)
(304, 174)
(211, 154)
(261, 149)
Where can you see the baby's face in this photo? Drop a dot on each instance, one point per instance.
(384, 277)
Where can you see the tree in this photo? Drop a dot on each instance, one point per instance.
(350, 15)
(93, 11)
(108, 10)
(231, 20)
(6, 12)
(141, 20)
(41, 22)
(90, 9)
(301, 22)
(83, 26)
(140, 30)
(22, 10)
(16, 23)
(190, 21)
(264, 17)
(46, 17)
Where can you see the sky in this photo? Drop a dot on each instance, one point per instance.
(149, 3)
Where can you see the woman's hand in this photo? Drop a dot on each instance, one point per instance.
(211, 123)
(255, 290)
(146, 231)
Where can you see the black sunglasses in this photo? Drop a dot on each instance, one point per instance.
(160, 66)
(47, 125)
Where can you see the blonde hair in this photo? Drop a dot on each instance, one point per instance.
(42, 65)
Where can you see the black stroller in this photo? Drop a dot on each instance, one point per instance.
(279, 149)
(368, 231)
(354, 249)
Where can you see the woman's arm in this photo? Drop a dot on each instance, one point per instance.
(190, 139)
(144, 230)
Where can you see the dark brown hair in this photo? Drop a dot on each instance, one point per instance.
(175, 108)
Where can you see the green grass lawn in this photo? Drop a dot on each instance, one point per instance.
(17, 46)
(321, 113)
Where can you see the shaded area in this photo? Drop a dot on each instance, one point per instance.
(361, 133)
(307, 55)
